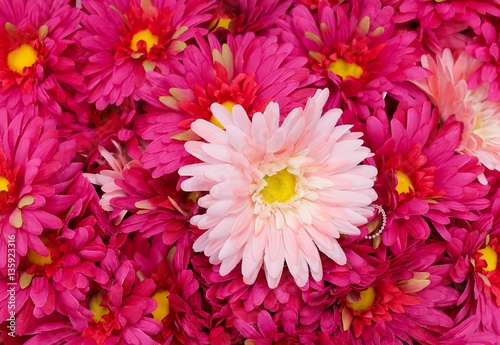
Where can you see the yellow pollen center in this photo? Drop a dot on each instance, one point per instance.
(97, 309)
(36, 259)
(21, 57)
(280, 187)
(345, 69)
(229, 105)
(4, 184)
(404, 183)
(163, 308)
(146, 36)
(366, 300)
(490, 256)
(220, 23)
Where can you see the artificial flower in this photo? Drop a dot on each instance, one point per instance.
(37, 52)
(449, 91)
(354, 49)
(247, 70)
(35, 172)
(278, 193)
(124, 39)
(421, 179)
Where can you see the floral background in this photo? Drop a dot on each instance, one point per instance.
(250, 171)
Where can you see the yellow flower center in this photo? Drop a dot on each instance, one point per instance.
(404, 183)
(220, 23)
(345, 69)
(36, 259)
(146, 36)
(163, 308)
(97, 309)
(4, 184)
(366, 300)
(280, 187)
(490, 256)
(21, 57)
(229, 106)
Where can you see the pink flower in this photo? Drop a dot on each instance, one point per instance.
(106, 179)
(247, 70)
(389, 309)
(278, 193)
(474, 249)
(35, 171)
(354, 49)
(485, 48)
(125, 39)
(180, 307)
(421, 178)
(448, 89)
(121, 311)
(56, 284)
(37, 52)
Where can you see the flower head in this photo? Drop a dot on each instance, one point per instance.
(420, 176)
(37, 54)
(124, 39)
(278, 193)
(247, 70)
(354, 49)
(449, 91)
(35, 172)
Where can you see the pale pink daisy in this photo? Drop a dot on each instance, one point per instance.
(447, 88)
(278, 193)
(105, 178)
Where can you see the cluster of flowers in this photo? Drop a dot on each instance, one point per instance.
(250, 171)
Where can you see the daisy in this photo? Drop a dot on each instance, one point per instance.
(421, 179)
(181, 308)
(354, 49)
(474, 250)
(139, 202)
(247, 70)
(278, 193)
(124, 39)
(35, 172)
(37, 53)
(391, 309)
(122, 309)
(449, 91)
(57, 283)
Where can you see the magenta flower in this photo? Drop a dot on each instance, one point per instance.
(125, 39)
(474, 249)
(485, 48)
(57, 283)
(354, 49)
(37, 53)
(278, 193)
(421, 178)
(180, 307)
(122, 310)
(248, 70)
(152, 205)
(390, 309)
(35, 171)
